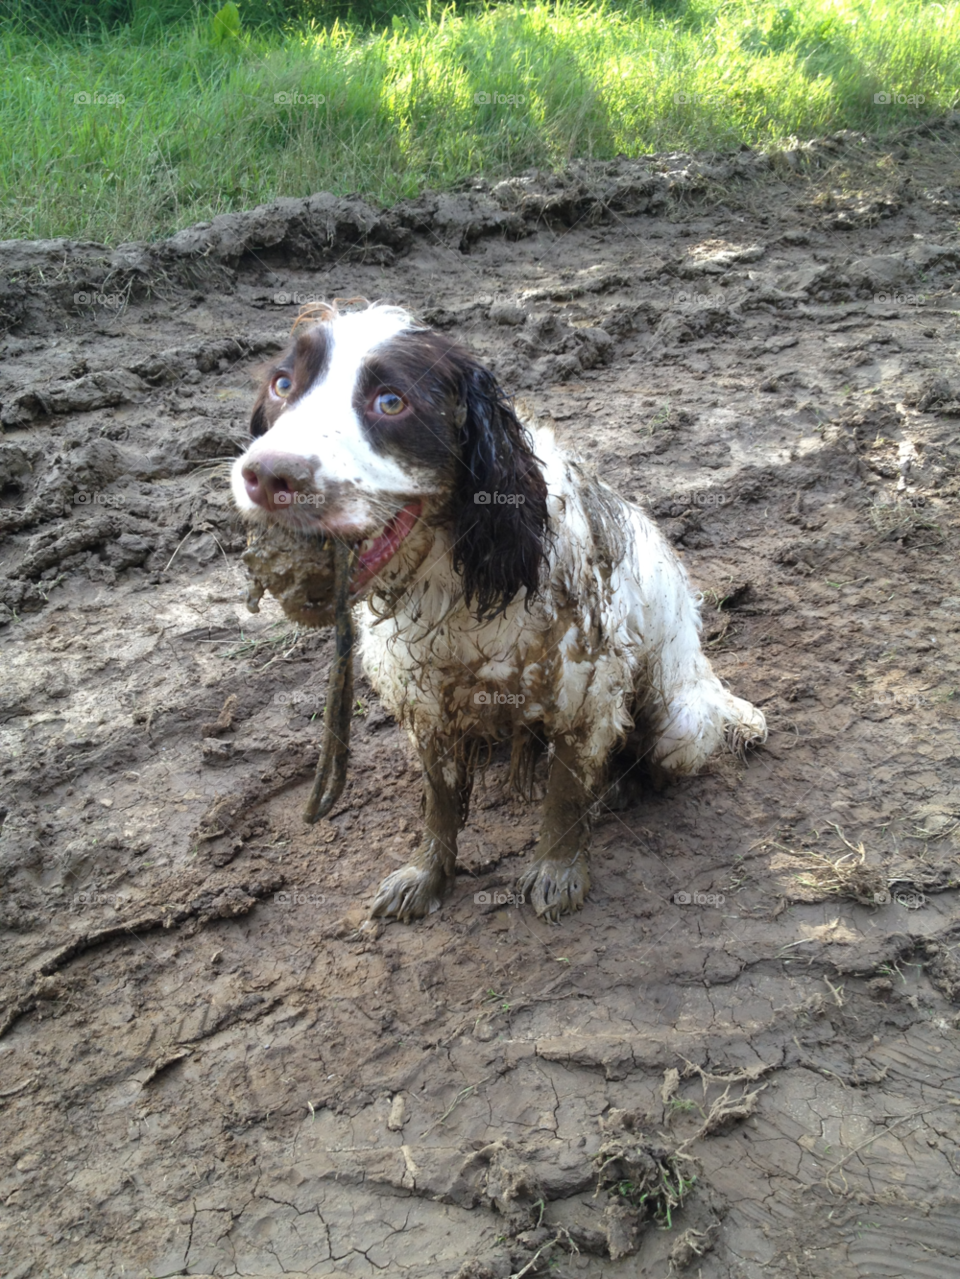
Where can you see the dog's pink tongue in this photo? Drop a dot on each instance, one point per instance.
(386, 545)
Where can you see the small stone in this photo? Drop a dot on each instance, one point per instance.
(398, 1114)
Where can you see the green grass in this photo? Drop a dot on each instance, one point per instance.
(200, 130)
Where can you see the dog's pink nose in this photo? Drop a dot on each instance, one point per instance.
(277, 481)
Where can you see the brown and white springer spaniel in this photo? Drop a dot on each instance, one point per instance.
(503, 592)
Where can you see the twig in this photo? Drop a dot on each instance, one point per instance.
(461, 1096)
(24, 1083)
(177, 551)
(335, 750)
(518, 1274)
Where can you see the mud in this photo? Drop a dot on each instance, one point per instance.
(297, 570)
(742, 1058)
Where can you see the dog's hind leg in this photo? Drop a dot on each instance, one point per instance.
(417, 889)
(558, 879)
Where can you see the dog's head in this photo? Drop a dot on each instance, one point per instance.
(374, 430)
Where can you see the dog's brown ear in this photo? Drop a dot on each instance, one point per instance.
(258, 418)
(501, 518)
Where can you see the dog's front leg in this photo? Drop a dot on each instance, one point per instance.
(558, 879)
(417, 889)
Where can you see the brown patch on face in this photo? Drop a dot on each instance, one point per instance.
(426, 371)
(304, 362)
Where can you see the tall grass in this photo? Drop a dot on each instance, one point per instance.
(204, 127)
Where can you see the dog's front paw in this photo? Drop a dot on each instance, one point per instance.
(408, 893)
(556, 888)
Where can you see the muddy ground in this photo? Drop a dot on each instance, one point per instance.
(206, 1066)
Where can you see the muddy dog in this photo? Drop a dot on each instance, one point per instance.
(504, 593)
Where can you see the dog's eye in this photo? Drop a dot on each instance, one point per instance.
(389, 404)
(281, 385)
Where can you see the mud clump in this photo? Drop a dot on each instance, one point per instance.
(509, 1183)
(296, 568)
(645, 1180)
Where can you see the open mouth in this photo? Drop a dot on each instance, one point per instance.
(377, 551)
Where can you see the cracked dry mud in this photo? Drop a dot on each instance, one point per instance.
(206, 1065)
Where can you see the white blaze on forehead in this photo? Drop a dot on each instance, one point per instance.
(323, 425)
